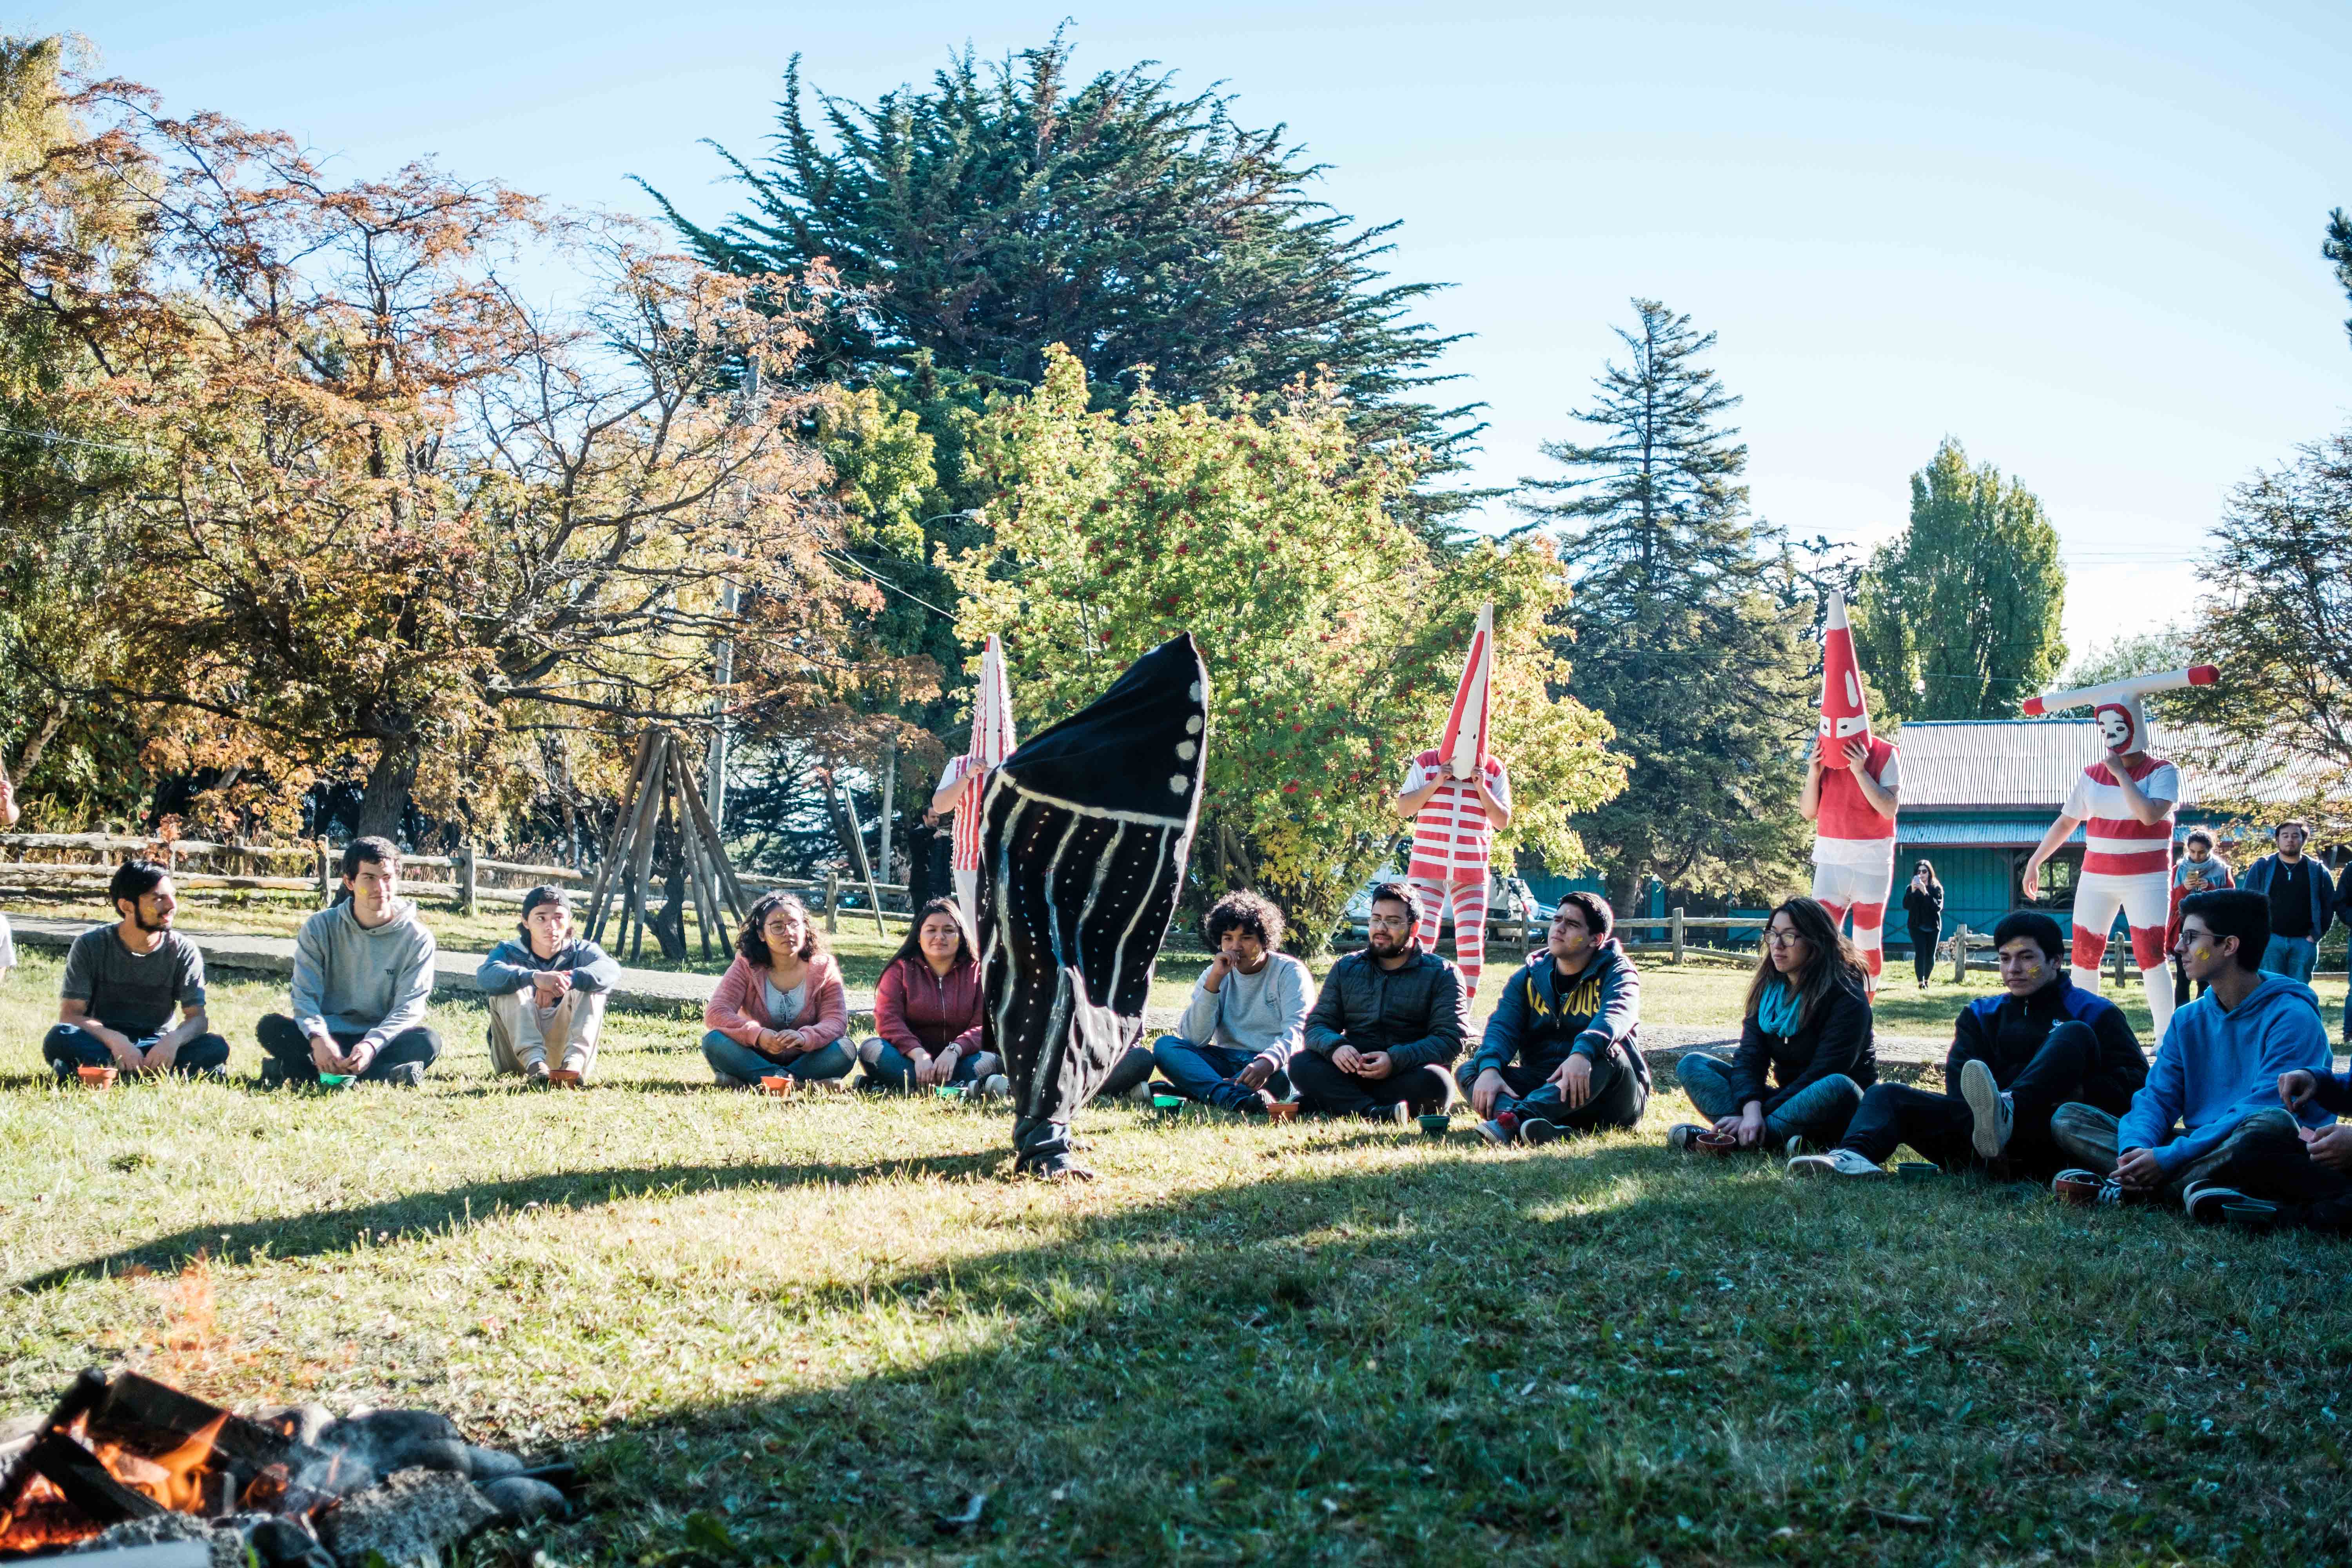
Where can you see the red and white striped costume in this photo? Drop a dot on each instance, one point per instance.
(1453, 856)
(1853, 852)
(2126, 865)
(1853, 842)
(992, 741)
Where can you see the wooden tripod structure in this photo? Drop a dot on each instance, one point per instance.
(662, 812)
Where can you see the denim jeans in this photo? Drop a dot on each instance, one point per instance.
(1817, 1112)
(740, 1067)
(892, 1070)
(1207, 1073)
(68, 1047)
(2292, 956)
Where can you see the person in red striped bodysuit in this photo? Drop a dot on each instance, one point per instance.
(1454, 820)
(1852, 788)
(2125, 806)
(960, 792)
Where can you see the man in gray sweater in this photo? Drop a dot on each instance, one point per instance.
(362, 976)
(1248, 1015)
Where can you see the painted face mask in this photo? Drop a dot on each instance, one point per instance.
(1464, 746)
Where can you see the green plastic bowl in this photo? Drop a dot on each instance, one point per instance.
(948, 1091)
(1166, 1102)
(335, 1079)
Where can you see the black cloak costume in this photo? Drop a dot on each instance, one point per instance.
(1087, 829)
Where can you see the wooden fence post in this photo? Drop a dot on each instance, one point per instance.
(326, 880)
(1678, 930)
(461, 861)
(832, 900)
(2121, 948)
(1960, 956)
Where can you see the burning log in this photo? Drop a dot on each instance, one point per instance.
(125, 1461)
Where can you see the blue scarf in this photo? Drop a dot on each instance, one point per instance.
(1778, 1010)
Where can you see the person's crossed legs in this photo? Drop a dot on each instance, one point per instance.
(1325, 1091)
(68, 1047)
(2086, 1136)
(288, 1049)
(1209, 1073)
(1818, 1112)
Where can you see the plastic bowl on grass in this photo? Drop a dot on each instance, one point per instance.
(950, 1090)
(1435, 1125)
(1284, 1111)
(97, 1077)
(777, 1085)
(563, 1078)
(1167, 1104)
(1917, 1170)
(335, 1079)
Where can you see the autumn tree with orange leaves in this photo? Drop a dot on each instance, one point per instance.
(367, 511)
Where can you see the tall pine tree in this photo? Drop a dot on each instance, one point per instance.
(1959, 615)
(1016, 206)
(1686, 634)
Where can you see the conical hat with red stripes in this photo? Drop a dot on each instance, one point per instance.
(1845, 708)
(1465, 749)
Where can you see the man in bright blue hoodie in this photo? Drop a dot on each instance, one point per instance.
(2213, 1092)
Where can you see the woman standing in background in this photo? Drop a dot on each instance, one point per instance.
(1923, 910)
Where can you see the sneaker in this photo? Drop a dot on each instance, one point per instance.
(1055, 1167)
(1836, 1162)
(1503, 1130)
(273, 1073)
(1680, 1135)
(534, 1073)
(1537, 1131)
(996, 1086)
(1140, 1095)
(2206, 1200)
(1397, 1115)
(1995, 1113)
(2114, 1195)
(411, 1075)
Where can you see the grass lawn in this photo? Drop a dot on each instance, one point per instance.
(802, 1331)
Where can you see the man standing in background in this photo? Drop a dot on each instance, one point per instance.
(2302, 901)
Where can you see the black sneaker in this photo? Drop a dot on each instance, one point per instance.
(1055, 1167)
(411, 1075)
(534, 1073)
(273, 1073)
(1534, 1130)
(2206, 1200)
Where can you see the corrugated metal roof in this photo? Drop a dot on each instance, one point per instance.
(2030, 765)
(1966, 830)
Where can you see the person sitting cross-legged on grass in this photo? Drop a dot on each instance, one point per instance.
(124, 981)
(1560, 1052)
(2213, 1090)
(779, 1011)
(1807, 1029)
(546, 987)
(927, 1009)
(2306, 1181)
(363, 978)
(1386, 1025)
(2017, 1055)
(1246, 1016)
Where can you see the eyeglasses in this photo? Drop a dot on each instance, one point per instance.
(1781, 939)
(1389, 922)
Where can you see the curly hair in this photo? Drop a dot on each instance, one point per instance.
(1251, 914)
(751, 942)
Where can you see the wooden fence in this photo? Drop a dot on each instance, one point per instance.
(464, 886)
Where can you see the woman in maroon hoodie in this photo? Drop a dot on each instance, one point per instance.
(927, 1009)
(779, 1011)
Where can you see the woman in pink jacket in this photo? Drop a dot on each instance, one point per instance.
(779, 1010)
(926, 1010)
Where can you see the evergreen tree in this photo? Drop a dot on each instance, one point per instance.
(2338, 249)
(1686, 634)
(1959, 616)
(1012, 208)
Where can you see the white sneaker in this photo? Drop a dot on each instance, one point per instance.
(1994, 1114)
(995, 1086)
(1836, 1162)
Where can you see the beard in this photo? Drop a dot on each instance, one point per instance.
(139, 917)
(1385, 945)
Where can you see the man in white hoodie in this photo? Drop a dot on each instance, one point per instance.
(362, 976)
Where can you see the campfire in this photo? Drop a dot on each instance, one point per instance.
(124, 1461)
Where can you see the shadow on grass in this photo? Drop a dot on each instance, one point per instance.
(1586, 1356)
(423, 1213)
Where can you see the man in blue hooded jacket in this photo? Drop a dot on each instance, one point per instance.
(1560, 1053)
(2213, 1092)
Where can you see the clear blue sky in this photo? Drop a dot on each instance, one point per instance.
(2083, 238)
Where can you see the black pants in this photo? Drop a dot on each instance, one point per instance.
(1132, 1067)
(1618, 1098)
(287, 1044)
(1939, 1125)
(1922, 954)
(1325, 1091)
(2280, 1170)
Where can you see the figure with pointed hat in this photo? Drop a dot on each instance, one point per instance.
(1853, 785)
(966, 779)
(1086, 832)
(1457, 795)
(2123, 803)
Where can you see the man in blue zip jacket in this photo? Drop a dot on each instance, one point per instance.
(2213, 1093)
(1560, 1053)
(2017, 1055)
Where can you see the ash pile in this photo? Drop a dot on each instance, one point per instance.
(127, 1465)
